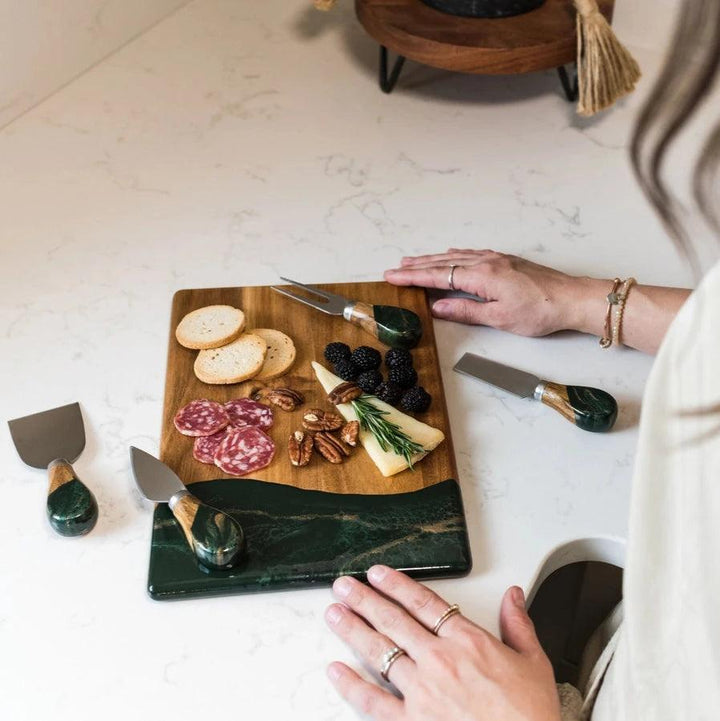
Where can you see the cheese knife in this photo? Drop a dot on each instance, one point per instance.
(590, 409)
(53, 440)
(216, 538)
(393, 326)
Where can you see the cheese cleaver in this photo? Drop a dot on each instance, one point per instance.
(216, 539)
(590, 409)
(53, 440)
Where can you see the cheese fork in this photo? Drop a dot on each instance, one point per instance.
(396, 327)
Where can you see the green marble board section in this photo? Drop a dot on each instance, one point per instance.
(299, 539)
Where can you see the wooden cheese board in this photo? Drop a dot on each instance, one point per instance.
(299, 498)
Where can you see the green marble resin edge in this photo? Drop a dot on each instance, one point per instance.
(300, 539)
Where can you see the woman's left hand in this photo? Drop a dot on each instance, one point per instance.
(462, 673)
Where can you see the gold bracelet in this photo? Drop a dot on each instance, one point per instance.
(606, 340)
(620, 299)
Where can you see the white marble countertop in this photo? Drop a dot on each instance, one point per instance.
(232, 143)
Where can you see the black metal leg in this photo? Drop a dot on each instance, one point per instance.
(388, 83)
(570, 88)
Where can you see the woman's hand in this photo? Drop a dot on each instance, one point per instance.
(464, 673)
(523, 297)
(530, 299)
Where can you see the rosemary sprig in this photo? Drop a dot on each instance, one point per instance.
(388, 434)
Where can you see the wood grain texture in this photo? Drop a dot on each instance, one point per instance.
(311, 330)
(538, 40)
(59, 473)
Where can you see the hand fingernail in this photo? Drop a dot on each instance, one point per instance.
(334, 672)
(391, 271)
(518, 597)
(342, 586)
(334, 614)
(440, 307)
(377, 573)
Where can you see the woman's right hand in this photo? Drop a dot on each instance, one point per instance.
(522, 297)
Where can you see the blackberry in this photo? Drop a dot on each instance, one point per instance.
(416, 400)
(366, 358)
(336, 352)
(369, 381)
(347, 370)
(397, 357)
(404, 376)
(389, 392)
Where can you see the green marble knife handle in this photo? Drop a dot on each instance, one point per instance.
(216, 539)
(71, 507)
(393, 326)
(588, 408)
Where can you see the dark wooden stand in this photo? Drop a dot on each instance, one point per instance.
(542, 39)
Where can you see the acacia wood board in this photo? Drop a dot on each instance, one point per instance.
(311, 330)
(537, 40)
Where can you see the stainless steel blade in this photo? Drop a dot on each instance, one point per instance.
(509, 379)
(44, 437)
(155, 480)
(327, 302)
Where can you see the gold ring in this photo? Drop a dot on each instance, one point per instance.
(449, 613)
(389, 659)
(451, 285)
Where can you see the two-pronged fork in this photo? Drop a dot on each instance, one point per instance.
(396, 327)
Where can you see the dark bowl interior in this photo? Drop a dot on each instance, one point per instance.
(484, 8)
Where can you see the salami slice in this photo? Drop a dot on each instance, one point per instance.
(244, 450)
(205, 446)
(247, 412)
(201, 418)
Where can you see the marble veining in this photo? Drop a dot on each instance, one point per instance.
(232, 143)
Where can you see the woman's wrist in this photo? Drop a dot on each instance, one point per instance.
(586, 304)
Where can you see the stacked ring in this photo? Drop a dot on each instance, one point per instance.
(449, 613)
(389, 659)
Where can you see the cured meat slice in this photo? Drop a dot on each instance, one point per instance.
(201, 418)
(244, 450)
(205, 446)
(247, 412)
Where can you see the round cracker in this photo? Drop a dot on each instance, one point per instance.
(210, 327)
(232, 363)
(280, 353)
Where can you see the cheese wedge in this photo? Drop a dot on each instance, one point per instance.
(388, 463)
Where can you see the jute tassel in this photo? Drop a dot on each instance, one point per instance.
(324, 4)
(606, 70)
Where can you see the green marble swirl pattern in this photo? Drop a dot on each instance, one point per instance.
(595, 410)
(72, 509)
(397, 327)
(298, 539)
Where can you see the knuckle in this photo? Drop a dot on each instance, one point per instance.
(390, 618)
(421, 601)
(475, 640)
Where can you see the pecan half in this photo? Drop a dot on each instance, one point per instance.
(316, 419)
(349, 433)
(300, 448)
(344, 393)
(286, 398)
(330, 448)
